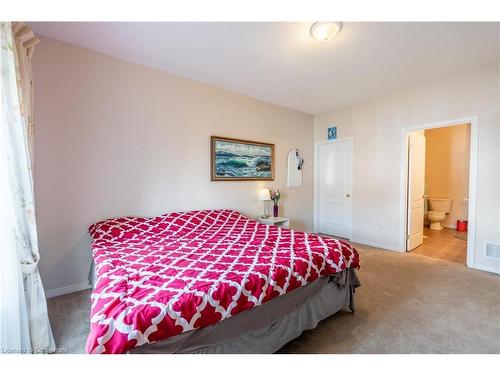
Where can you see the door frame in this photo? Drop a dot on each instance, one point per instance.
(316, 178)
(471, 232)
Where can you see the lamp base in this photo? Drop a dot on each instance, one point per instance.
(266, 213)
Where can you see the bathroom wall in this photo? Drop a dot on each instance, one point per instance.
(447, 168)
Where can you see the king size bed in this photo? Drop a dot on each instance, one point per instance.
(212, 281)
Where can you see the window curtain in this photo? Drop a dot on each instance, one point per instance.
(24, 41)
(24, 322)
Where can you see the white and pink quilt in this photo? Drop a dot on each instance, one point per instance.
(162, 276)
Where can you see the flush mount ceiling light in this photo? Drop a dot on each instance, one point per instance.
(324, 31)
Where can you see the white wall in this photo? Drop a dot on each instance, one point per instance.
(114, 138)
(376, 128)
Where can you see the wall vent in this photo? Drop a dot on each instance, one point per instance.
(493, 250)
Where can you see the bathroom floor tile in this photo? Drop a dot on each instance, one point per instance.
(444, 245)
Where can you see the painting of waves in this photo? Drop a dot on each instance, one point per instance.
(241, 160)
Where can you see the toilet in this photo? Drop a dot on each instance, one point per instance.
(437, 211)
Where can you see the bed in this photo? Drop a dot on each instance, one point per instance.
(212, 281)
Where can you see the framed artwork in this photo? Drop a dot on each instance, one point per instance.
(239, 160)
(332, 133)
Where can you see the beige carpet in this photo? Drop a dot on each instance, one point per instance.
(408, 303)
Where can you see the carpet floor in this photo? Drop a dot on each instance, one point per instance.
(408, 303)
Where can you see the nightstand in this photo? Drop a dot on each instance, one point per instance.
(283, 222)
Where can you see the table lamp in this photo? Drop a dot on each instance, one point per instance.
(265, 196)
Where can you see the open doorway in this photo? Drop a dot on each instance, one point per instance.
(440, 191)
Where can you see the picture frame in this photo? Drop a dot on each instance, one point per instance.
(332, 133)
(233, 159)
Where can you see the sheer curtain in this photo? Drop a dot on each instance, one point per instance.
(24, 323)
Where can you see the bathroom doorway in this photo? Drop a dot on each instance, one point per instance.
(440, 190)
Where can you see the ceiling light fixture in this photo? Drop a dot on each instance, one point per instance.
(324, 31)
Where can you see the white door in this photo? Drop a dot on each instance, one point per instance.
(416, 189)
(335, 188)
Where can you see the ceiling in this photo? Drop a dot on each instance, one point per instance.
(280, 63)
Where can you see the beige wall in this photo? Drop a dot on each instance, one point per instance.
(447, 168)
(114, 138)
(376, 127)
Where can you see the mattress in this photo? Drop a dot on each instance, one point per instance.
(164, 276)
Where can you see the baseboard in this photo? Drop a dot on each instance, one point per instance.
(67, 289)
(450, 226)
(379, 245)
(480, 267)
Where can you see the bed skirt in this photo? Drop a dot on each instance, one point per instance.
(266, 328)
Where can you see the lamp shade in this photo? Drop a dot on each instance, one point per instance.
(264, 195)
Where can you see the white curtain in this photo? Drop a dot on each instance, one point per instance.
(24, 323)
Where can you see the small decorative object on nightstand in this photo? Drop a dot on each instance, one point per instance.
(275, 197)
(283, 222)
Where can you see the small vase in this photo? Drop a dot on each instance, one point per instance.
(275, 210)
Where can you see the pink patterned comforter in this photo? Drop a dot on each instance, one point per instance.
(158, 277)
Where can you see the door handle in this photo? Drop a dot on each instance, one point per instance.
(348, 195)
